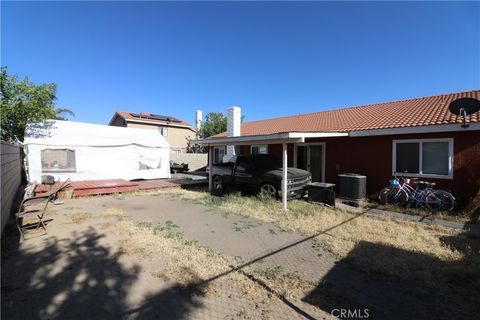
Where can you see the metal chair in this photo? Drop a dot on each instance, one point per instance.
(40, 212)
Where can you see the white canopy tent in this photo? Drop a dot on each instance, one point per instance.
(84, 151)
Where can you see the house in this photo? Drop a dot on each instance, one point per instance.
(412, 137)
(178, 133)
(84, 151)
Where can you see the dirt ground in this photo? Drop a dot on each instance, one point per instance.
(155, 257)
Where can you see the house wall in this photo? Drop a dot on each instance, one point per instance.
(195, 161)
(177, 137)
(372, 156)
(11, 178)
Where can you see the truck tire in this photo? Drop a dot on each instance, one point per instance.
(268, 190)
(218, 185)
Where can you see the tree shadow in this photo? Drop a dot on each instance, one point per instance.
(79, 278)
(425, 287)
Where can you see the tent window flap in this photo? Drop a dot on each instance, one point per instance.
(58, 160)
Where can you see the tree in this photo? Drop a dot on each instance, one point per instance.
(215, 122)
(23, 102)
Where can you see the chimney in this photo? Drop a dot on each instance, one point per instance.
(198, 120)
(233, 122)
(233, 130)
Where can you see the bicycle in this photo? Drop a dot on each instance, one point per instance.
(401, 192)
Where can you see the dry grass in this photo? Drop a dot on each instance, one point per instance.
(182, 261)
(454, 216)
(79, 218)
(187, 263)
(403, 250)
(115, 212)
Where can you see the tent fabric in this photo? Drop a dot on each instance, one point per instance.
(99, 152)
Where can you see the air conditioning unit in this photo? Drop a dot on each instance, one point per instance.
(352, 186)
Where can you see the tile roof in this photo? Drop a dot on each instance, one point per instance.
(128, 116)
(397, 114)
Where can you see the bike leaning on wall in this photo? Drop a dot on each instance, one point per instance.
(414, 193)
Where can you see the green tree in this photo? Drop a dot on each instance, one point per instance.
(215, 122)
(23, 102)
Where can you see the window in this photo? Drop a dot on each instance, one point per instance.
(259, 149)
(58, 160)
(423, 158)
(243, 164)
(218, 154)
(163, 131)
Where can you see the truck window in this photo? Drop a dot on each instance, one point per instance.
(267, 163)
(243, 164)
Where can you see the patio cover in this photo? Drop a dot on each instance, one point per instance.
(283, 138)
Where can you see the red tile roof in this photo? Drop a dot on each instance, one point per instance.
(128, 116)
(398, 114)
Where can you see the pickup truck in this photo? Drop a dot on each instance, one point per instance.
(260, 173)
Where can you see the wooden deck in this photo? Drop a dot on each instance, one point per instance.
(95, 187)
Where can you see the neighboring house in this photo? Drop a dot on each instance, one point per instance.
(413, 137)
(176, 132)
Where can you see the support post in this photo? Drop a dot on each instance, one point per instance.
(285, 176)
(210, 161)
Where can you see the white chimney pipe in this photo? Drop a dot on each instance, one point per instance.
(198, 120)
(233, 130)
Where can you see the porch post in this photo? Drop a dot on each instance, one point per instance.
(210, 160)
(284, 179)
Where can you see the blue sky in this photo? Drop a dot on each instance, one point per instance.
(270, 58)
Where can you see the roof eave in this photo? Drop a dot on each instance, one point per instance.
(284, 137)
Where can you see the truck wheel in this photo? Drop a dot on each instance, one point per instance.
(268, 190)
(218, 185)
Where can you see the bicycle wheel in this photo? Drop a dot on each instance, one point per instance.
(384, 194)
(439, 200)
(393, 195)
(400, 198)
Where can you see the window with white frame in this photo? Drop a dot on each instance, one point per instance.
(58, 160)
(218, 154)
(259, 149)
(423, 158)
(163, 131)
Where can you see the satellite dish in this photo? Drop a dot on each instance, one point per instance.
(464, 107)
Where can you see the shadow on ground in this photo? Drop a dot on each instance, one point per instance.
(426, 287)
(79, 278)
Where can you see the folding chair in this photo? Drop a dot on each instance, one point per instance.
(39, 213)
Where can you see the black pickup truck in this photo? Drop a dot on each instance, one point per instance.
(260, 173)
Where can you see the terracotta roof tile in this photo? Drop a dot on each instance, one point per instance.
(397, 114)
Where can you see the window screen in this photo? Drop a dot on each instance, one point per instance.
(218, 154)
(424, 157)
(408, 159)
(435, 158)
(260, 149)
(58, 160)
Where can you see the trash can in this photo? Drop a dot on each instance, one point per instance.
(352, 186)
(322, 193)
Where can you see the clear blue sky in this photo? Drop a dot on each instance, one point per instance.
(271, 58)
